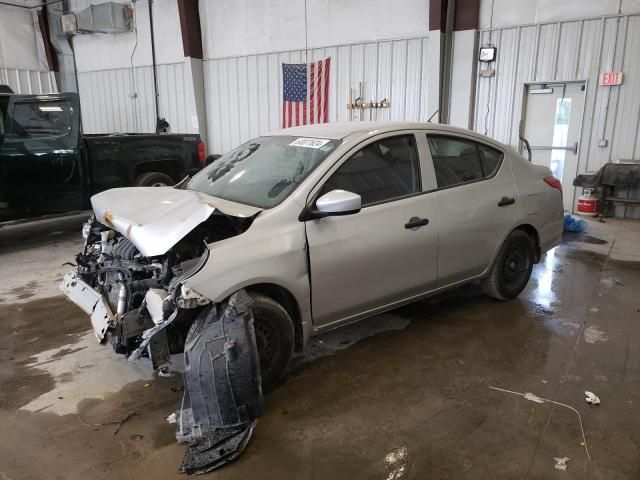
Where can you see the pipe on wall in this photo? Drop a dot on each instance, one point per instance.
(154, 64)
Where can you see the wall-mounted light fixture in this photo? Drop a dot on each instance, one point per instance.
(487, 53)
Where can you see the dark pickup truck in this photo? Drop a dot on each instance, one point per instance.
(48, 166)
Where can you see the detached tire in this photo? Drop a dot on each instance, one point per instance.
(512, 268)
(274, 338)
(154, 179)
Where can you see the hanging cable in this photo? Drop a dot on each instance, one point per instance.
(132, 70)
(613, 63)
(486, 116)
(306, 34)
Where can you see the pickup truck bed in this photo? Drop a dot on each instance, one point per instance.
(48, 166)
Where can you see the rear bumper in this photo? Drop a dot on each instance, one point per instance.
(93, 303)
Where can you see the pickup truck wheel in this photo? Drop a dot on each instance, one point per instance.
(274, 338)
(512, 267)
(154, 179)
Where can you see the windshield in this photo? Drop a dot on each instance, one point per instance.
(264, 171)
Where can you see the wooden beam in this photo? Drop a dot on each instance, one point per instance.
(190, 27)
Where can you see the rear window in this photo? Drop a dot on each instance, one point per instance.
(40, 119)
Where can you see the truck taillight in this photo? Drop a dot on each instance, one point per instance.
(553, 182)
(201, 154)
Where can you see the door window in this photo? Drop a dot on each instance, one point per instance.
(457, 160)
(41, 119)
(381, 171)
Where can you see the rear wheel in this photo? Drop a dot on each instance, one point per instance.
(512, 267)
(154, 179)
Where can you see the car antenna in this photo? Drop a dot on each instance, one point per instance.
(432, 115)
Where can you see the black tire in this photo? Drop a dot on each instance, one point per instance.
(274, 338)
(512, 267)
(154, 179)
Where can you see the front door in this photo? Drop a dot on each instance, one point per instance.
(40, 155)
(384, 253)
(553, 121)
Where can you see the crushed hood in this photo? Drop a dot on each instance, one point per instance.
(154, 219)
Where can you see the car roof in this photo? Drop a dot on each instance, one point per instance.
(342, 130)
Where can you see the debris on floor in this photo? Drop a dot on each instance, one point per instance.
(396, 463)
(561, 463)
(165, 372)
(173, 418)
(574, 224)
(591, 398)
(535, 398)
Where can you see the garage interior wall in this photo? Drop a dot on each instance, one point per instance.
(245, 43)
(115, 74)
(565, 50)
(23, 65)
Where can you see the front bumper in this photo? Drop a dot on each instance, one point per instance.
(93, 303)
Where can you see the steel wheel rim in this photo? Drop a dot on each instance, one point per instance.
(265, 343)
(515, 266)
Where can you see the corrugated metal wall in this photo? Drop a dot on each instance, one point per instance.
(28, 81)
(576, 50)
(121, 100)
(244, 94)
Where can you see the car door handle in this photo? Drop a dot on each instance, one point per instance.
(416, 222)
(504, 201)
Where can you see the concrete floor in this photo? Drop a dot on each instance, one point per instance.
(403, 395)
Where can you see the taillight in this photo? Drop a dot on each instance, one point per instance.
(553, 182)
(201, 155)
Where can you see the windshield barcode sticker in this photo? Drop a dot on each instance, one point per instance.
(309, 142)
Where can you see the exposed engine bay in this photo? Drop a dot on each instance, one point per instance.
(145, 292)
(141, 306)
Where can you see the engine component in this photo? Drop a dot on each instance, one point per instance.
(190, 299)
(222, 369)
(155, 299)
(122, 300)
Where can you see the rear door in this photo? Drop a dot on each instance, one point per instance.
(387, 251)
(476, 200)
(40, 155)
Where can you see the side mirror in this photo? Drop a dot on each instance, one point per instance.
(339, 202)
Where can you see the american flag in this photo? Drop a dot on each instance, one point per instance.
(305, 88)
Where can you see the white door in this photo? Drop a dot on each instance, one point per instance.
(552, 125)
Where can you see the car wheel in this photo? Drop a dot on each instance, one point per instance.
(512, 268)
(274, 338)
(154, 179)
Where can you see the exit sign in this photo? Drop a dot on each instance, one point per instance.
(611, 78)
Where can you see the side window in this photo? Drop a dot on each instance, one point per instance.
(491, 159)
(457, 160)
(41, 119)
(381, 171)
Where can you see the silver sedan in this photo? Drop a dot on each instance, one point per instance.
(322, 225)
(295, 233)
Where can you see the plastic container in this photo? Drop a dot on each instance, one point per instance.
(588, 204)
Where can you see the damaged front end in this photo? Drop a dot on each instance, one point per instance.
(136, 295)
